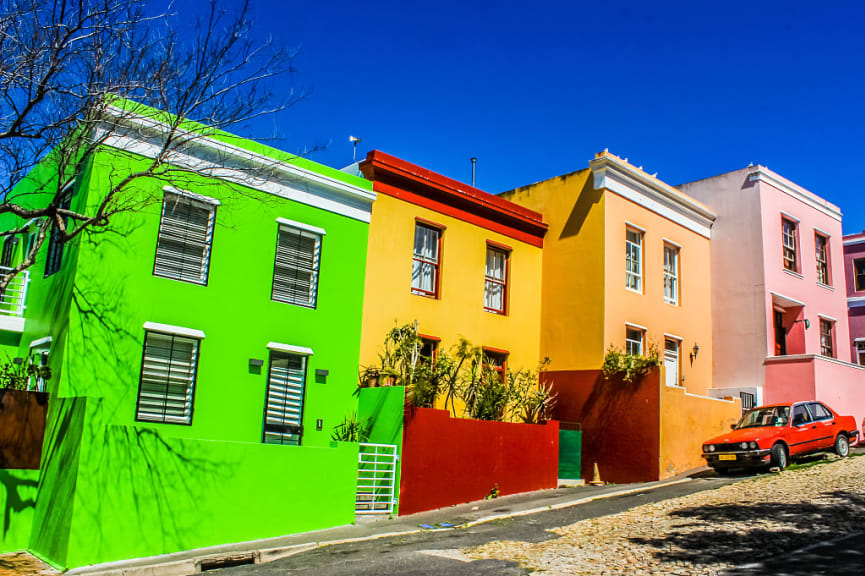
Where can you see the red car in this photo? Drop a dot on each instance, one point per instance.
(770, 436)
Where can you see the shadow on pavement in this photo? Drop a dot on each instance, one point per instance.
(767, 533)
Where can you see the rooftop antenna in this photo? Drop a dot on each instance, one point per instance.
(474, 165)
(354, 140)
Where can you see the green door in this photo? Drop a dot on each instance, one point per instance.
(570, 445)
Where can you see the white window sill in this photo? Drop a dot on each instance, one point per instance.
(791, 273)
(826, 286)
(634, 291)
(671, 302)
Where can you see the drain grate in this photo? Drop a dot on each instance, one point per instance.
(227, 561)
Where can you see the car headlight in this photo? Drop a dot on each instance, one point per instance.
(753, 445)
(709, 448)
(743, 445)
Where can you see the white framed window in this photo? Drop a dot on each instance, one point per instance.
(671, 274)
(860, 352)
(634, 260)
(634, 339)
(296, 267)
(167, 385)
(672, 364)
(426, 260)
(821, 250)
(827, 338)
(496, 280)
(283, 410)
(790, 244)
(185, 239)
(40, 352)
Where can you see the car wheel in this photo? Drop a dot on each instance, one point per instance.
(779, 456)
(842, 446)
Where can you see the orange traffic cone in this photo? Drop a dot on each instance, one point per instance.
(596, 481)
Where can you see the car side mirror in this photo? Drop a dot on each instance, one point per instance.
(732, 426)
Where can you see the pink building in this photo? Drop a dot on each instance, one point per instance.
(854, 263)
(779, 295)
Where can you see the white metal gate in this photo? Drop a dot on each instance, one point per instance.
(376, 479)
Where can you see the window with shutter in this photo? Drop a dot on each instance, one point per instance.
(185, 239)
(283, 411)
(295, 272)
(54, 257)
(167, 383)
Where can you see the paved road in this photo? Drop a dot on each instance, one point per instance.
(437, 552)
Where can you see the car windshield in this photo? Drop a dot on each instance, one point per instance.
(765, 417)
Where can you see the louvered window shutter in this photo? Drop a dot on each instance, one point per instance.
(167, 378)
(295, 272)
(283, 414)
(185, 239)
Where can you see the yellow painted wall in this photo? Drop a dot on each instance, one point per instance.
(691, 320)
(572, 326)
(688, 421)
(459, 310)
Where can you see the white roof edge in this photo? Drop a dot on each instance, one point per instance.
(176, 330)
(280, 347)
(763, 174)
(302, 226)
(192, 195)
(41, 341)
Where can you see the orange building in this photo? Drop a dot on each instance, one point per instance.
(458, 261)
(627, 264)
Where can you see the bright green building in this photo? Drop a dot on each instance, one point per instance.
(202, 352)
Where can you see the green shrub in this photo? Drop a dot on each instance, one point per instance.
(629, 367)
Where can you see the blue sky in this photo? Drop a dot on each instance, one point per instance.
(685, 89)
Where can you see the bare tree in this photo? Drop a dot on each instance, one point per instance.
(71, 73)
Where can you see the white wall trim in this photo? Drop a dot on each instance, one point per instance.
(633, 184)
(637, 326)
(674, 337)
(138, 134)
(733, 401)
(789, 216)
(639, 229)
(41, 341)
(853, 242)
(191, 195)
(793, 300)
(671, 243)
(797, 357)
(822, 233)
(302, 226)
(763, 174)
(12, 323)
(279, 347)
(176, 330)
(856, 301)
(829, 318)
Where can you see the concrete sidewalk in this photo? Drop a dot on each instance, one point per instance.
(366, 528)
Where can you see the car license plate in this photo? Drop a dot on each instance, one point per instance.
(727, 457)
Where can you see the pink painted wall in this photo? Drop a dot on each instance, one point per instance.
(842, 388)
(789, 379)
(854, 249)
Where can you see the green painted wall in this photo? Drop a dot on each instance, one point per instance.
(18, 500)
(112, 488)
(383, 409)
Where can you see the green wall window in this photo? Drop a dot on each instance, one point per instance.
(9, 246)
(283, 412)
(295, 271)
(185, 239)
(55, 246)
(167, 384)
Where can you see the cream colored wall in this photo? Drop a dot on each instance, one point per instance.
(691, 320)
(572, 324)
(459, 311)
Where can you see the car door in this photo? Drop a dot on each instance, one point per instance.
(826, 426)
(803, 431)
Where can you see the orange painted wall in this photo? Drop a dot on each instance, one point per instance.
(691, 320)
(459, 311)
(572, 326)
(686, 422)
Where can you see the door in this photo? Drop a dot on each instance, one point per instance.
(570, 448)
(671, 362)
(826, 427)
(805, 433)
(283, 411)
(780, 335)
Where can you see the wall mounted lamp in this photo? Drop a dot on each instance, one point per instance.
(694, 351)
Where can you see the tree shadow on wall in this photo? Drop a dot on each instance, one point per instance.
(766, 534)
(16, 502)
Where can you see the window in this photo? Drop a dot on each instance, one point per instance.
(168, 373)
(9, 246)
(40, 351)
(496, 280)
(634, 341)
(860, 350)
(789, 241)
(497, 360)
(185, 239)
(428, 348)
(633, 260)
(827, 347)
(671, 274)
(296, 268)
(283, 412)
(749, 401)
(55, 246)
(425, 265)
(819, 411)
(822, 253)
(671, 361)
(859, 273)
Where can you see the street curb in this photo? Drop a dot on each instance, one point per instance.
(189, 566)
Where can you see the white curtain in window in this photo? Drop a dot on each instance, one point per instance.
(426, 256)
(496, 270)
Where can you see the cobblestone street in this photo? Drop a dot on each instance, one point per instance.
(755, 520)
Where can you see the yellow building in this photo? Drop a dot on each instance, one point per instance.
(458, 261)
(627, 264)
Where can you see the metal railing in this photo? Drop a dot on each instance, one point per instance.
(13, 296)
(376, 479)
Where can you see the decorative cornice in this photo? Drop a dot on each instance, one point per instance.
(142, 135)
(764, 175)
(618, 176)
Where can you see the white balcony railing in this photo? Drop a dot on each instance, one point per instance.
(12, 297)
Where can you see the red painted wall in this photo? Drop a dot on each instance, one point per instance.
(621, 422)
(447, 461)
